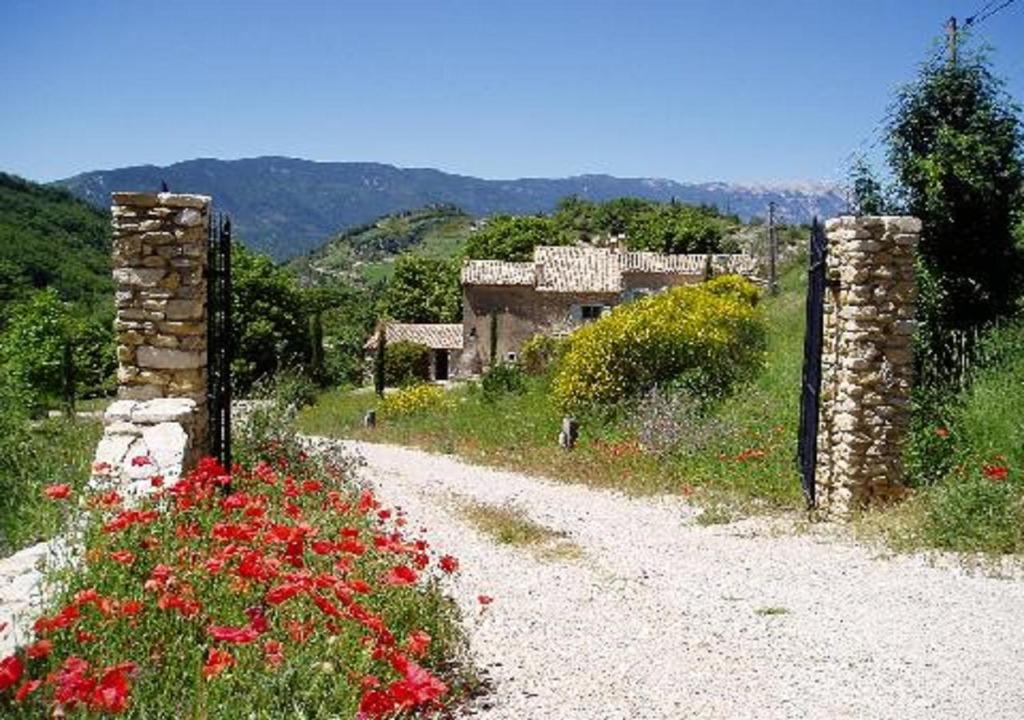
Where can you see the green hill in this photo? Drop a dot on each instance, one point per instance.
(49, 238)
(366, 254)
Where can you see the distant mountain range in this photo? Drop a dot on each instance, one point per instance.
(287, 207)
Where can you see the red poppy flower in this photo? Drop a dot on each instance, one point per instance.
(57, 492)
(942, 432)
(277, 595)
(449, 563)
(39, 649)
(26, 689)
(130, 607)
(125, 557)
(996, 473)
(10, 671)
(235, 636)
(418, 643)
(273, 653)
(157, 481)
(353, 547)
(485, 599)
(141, 461)
(400, 575)
(217, 661)
(322, 547)
(418, 687)
(111, 693)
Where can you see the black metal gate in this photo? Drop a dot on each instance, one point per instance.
(219, 349)
(810, 394)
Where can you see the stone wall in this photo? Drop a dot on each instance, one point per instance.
(867, 360)
(143, 438)
(160, 242)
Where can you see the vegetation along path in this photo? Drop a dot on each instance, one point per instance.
(606, 606)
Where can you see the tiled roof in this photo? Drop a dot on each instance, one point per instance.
(497, 272)
(586, 269)
(651, 262)
(577, 269)
(433, 335)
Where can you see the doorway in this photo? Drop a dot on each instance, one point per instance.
(440, 364)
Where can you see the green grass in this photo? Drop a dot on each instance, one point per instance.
(750, 466)
(48, 452)
(511, 526)
(968, 509)
(772, 610)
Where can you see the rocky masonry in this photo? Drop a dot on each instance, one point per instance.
(160, 242)
(143, 438)
(867, 360)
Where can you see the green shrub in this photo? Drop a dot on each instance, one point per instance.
(406, 363)
(703, 338)
(502, 379)
(539, 354)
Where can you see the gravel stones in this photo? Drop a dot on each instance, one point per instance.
(663, 618)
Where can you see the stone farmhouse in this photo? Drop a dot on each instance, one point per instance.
(562, 288)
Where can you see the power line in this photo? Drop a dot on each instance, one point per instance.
(986, 12)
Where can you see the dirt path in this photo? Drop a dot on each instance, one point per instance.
(664, 618)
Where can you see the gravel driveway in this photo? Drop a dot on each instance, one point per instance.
(664, 618)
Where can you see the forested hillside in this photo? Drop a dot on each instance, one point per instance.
(49, 238)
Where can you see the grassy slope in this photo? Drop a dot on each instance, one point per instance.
(367, 254)
(519, 431)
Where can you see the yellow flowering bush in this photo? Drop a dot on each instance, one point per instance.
(704, 337)
(414, 399)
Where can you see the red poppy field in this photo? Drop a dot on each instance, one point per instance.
(278, 591)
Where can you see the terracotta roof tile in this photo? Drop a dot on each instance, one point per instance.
(440, 336)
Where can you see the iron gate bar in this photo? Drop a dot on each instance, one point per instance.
(219, 350)
(810, 393)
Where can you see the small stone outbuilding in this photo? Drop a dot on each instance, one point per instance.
(443, 339)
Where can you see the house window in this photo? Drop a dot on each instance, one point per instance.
(591, 312)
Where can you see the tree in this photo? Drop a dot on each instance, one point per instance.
(423, 290)
(868, 195)
(955, 149)
(675, 228)
(506, 237)
(270, 318)
(51, 353)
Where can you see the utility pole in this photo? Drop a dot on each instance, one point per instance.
(951, 39)
(773, 283)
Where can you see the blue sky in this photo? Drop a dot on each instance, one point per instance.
(754, 91)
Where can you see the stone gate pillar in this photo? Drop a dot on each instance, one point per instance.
(867, 360)
(160, 242)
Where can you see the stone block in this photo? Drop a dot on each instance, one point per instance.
(163, 410)
(135, 199)
(169, 359)
(182, 200)
(119, 411)
(138, 277)
(185, 309)
(189, 217)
